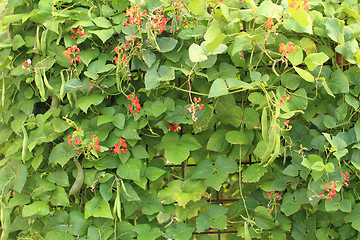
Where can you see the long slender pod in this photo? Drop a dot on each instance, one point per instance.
(271, 144)
(25, 144)
(276, 150)
(47, 84)
(75, 188)
(264, 126)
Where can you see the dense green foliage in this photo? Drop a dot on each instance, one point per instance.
(101, 99)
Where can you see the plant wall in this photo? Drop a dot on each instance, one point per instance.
(139, 119)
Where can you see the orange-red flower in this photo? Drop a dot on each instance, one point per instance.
(116, 61)
(286, 49)
(291, 47)
(282, 47)
(269, 23)
(298, 5)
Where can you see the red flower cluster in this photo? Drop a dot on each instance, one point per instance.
(135, 106)
(134, 17)
(284, 98)
(194, 105)
(192, 108)
(72, 54)
(332, 188)
(174, 127)
(26, 64)
(299, 5)
(117, 148)
(269, 23)
(79, 31)
(287, 49)
(345, 178)
(158, 24)
(96, 143)
(77, 141)
(332, 192)
(178, 6)
(120, 51)
(277, 195)
(269, 194)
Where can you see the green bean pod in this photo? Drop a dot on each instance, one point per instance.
(276, 150)
(152, 37)
(39, 83)
(68, 95)
(75, 188)
(264, 126)
(246, 232)
(5, 222)
(62, 88)
(37, 41)
(117, 206)
(271, 144)
(3, 91)
(118, 80)
(43, 42)
(47, 84)
(60, 35)
(25, 144)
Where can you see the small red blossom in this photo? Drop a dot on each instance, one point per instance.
(269, 195)
(287, 122)
(201, 106)
(116, 49)
(69, 140)
(135, 103)
(91, 85)
(96, 145)
(299, 5)
(277, 196)
(77, 141)
(282, 47)
(122, 142)
(72, 51)
(80, 32)
(174, 127)
(281, 102)
(291, 47)
(345, 178)
(116, 61)
(124, 59)
(26, 64)
(191, 108)
(73, 37)
(117, 147)
(269, 23)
